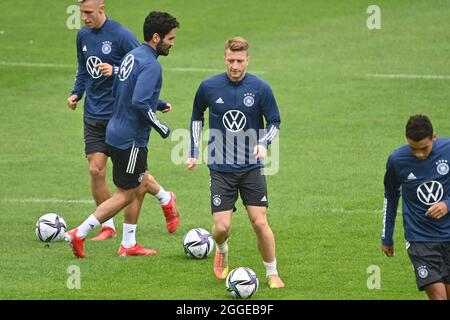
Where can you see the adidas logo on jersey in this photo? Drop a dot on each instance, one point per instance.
(220, 100)
(411, 176)
(264, 199)
(84, 48)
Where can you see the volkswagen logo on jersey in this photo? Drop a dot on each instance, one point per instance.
(126, 67)
(234, 120)
(430, 192)
(91, 63)
(106, 47)
(442, 167)
(249, 99)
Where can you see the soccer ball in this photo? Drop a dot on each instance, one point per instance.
(198, 243)
(242, 282)
(51, 227)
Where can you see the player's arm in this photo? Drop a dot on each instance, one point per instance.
(80, 79)
(272, 115)
(197, 121)
(144, 98)
(391, 198)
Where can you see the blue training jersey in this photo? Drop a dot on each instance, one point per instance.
(236, 121)
(136, 92)
(108, 44)
(422, 184)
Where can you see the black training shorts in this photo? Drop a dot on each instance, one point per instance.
(94, 136)
(225, 187)
(431, 261)
(129, 166)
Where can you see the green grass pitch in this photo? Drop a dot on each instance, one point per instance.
(339, 124)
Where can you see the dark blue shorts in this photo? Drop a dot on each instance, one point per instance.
(225, 187)
(129, 166)
(95, 136)
(431, 261)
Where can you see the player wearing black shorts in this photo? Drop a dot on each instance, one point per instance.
(136, 90)
(420, 171)
(238, 102)
(226, 186)
(101, 45)
(431, 262)
(129, 167)
(94, 136)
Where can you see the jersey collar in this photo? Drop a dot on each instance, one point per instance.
(151, 49)
(103, 25)
(236, 83)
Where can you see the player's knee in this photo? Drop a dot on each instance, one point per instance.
(221, 228)
(96, 171)
(125, 197)
(260, 225)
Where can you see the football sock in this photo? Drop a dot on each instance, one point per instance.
(271, 267)
(163, 196)
(109, 223)
(90, 223)
(129, 235)
(223, 248)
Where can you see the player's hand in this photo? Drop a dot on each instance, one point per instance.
(72, 101)
(259, 152)
(105, 68)
(437, 211)
(167, 108)
(191, 163)
(388, 250)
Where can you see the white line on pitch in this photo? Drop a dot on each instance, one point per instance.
(36, 65)
(72, 66)
(409, 76)
(362, 210)
(37, 200)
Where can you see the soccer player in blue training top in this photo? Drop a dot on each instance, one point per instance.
(237, 103)
(101, 45)
(420, 170)
(136, 92)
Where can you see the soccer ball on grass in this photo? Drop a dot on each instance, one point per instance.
(50, 228)
(198, 243)
(242, 283)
